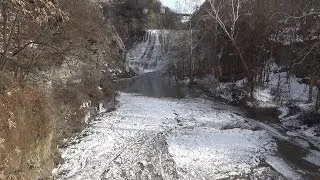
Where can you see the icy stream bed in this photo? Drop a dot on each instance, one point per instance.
(163, 138)
(153, 135)
(191, 138)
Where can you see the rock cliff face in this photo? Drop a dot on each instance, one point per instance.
(57, 101)
(61, 82)
(27, 133)
(133, 18)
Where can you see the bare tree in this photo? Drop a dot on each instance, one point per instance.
(189, 7)
(25, 27)
(227, 13)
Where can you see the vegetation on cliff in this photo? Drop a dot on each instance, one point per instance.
(56, 58)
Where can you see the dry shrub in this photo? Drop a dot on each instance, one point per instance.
(25, 130)
(28, 102)
(69, 113)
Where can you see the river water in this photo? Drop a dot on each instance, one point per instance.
(164, 130)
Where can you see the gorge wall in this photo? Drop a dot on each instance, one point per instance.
(61, 75)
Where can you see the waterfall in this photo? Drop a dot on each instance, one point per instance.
(150, 54)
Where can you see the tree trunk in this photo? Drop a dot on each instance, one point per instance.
(311, 90)
(215, 63)
(312, 83)
(251, 83)
(318, 99)
(191, 53)
(243, 61)
(250, 76)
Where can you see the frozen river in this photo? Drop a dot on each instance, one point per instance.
(154, 136)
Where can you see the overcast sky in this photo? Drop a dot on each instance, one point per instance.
(186, 6)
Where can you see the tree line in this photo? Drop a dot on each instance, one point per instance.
(235, 39)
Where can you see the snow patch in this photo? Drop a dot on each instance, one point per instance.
(283, 168)
(282, 88)
(313, 157)
(225, 153)
(193, 130)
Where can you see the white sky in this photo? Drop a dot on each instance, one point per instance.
(183, 6)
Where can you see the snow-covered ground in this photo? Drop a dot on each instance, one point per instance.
(282, 88)
(152, 138)
(166, 138)
(282, 92)
(285, 90)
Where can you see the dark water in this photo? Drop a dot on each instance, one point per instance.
(157, 84)
(294, 155)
